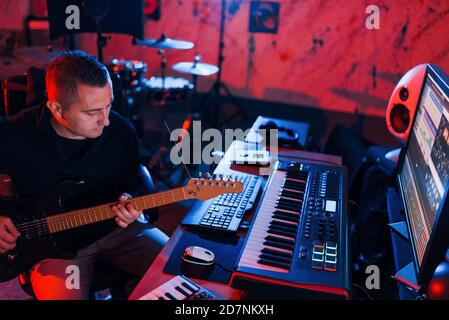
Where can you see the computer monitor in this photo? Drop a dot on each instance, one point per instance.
(424, 175)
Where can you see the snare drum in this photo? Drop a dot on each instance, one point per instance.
(131, 72)
(168, 88)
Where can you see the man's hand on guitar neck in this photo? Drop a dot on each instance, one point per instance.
(126, 214)
(8, 234)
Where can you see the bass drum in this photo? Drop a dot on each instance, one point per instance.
(131, 73)
(161, 90)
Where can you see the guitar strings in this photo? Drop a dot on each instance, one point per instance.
(44, 224)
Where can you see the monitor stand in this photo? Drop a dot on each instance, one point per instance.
(406, 275)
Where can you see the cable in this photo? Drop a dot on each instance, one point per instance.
(363, 290)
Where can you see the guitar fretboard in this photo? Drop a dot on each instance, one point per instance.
(83, 217)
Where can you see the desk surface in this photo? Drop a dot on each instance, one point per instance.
(155, 276)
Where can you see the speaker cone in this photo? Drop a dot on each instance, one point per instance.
(400, 118)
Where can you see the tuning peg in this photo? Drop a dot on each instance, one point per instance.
(200, 174)
(207, 175)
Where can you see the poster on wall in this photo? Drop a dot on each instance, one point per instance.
(264, 16)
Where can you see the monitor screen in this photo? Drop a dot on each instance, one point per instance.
(424, 171)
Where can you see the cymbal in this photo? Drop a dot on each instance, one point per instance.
(164, 43)
(195, 68)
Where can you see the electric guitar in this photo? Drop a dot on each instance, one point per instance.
(39, 220)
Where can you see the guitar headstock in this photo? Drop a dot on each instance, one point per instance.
(208, 188)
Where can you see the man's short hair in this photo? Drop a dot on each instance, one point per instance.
(68, 70)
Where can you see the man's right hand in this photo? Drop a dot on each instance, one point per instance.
(8, 234)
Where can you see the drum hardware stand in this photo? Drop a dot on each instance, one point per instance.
(163, 65)
(214, 92)
(194, 82)
(101, 42)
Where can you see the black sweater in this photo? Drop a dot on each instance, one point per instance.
(36, 158)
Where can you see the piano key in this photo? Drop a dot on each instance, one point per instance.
(284, 224)
(168, 288)
(273, 230)
(289, 214)
(291, 199)
(287, 211)
(295, 178)
(295, 194)
(190, 287)
(293, 185)
(149, 296)
(170, 296)
(280, 239)
(256, 248)
(278, 244)
(275, 258)
(283, 217)
(182, 291)
(278, 264)
(298, 193)
(277, 252)
(287, 207)
(255, 264)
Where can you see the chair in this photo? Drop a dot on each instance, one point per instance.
(19, 93)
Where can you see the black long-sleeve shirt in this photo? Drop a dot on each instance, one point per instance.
(37, 158)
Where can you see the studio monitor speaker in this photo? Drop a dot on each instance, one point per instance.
(403, 102)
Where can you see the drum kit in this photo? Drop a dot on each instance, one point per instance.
(161, 89)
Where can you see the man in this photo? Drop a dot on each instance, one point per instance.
(76, 137)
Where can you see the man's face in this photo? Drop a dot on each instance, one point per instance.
(87, 117)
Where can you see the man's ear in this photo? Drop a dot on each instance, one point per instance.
(55, 108)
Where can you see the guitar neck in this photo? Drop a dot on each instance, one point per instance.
(78, 218)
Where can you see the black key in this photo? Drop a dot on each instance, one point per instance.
(190, 287)
(168, 295)
(289, 202)
(291, 194)
(285, 225)
(276, 252)
(161, 298)
(281, 232)
(287, 214)
(182, 291)
(283, 217)
(275, 258)
(278, 245)
(274, 238)
(293, 185)
(281, 205)
(272, 263)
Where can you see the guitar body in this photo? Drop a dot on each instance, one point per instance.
(25, 256)
(35, 244)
